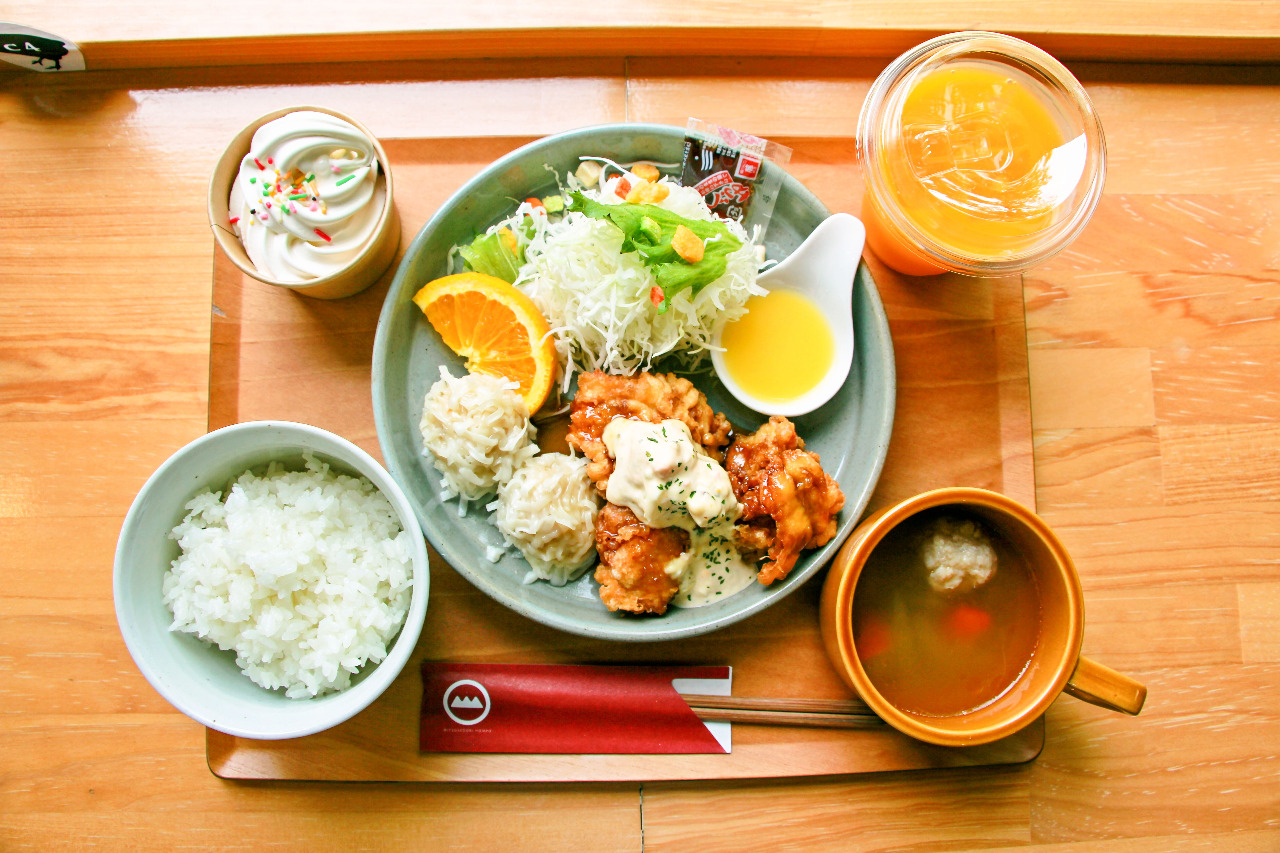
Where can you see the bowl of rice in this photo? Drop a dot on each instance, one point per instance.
(270, 580)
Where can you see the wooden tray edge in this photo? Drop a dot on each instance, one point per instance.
(1098, 39)
(236, 759)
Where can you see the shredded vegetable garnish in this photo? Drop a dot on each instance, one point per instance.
(601, 302)
(651, 232)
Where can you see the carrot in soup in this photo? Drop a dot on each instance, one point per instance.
(965, 620)
(874, 639)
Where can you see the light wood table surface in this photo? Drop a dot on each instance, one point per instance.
(1155, 380)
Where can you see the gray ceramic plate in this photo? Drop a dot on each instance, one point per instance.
(850, 433)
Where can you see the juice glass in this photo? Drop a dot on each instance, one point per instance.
(981, 153)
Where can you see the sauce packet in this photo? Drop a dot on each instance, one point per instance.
(730, 171)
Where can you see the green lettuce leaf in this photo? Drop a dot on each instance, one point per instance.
(647, 230)
(490, 255)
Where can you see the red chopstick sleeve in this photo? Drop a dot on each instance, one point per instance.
(523, 708)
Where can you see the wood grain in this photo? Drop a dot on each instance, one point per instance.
(105, 273)
(135, 34)
(977, 808)
(1077, 793)
(1259, 605)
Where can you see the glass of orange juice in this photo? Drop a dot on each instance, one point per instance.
(981, 153)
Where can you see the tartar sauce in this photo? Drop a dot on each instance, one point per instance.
(663, 477)
(667, 480)
(712, 568)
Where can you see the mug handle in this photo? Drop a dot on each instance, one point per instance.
(1102, 686)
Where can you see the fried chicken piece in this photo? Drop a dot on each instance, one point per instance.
(788, 502)
(633, 559)
(651, 397)
(754, 540)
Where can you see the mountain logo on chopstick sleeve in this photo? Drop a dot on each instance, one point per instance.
(466, 702)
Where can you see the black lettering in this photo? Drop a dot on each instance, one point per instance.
(40, 48)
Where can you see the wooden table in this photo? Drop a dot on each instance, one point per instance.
(1154, 352)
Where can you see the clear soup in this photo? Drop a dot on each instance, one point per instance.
(940, 654)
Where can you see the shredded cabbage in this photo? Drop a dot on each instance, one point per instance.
(597, 299)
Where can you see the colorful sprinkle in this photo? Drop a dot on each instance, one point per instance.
(310, 178)
(335, 168)
(297, 196)
(269, 160)
(235, 219)
(253, 180)
(324, 236)
(344, 180)
(260, 166)
(268, 204)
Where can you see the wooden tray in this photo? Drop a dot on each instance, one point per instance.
(963, 418)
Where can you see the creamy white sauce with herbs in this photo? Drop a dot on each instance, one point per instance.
(666, 479)
(712, 568)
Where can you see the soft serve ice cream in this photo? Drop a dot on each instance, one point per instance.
(308, 196)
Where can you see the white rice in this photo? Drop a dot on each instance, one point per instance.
(476, 428)
(305, 575)
(548, 511)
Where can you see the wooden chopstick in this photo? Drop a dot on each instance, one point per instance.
(810, 713)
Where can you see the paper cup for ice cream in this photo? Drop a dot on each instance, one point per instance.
(363, 270)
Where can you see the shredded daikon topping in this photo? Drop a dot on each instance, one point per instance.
(548, 511)
(477, 431)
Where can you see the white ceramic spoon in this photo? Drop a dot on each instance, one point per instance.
(821, 269)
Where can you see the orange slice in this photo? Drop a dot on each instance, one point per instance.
(495, 327)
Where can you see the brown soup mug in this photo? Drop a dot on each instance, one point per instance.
(1055, 665)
